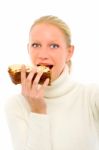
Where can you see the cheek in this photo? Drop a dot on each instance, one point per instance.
(60, 63)
(62, 58)
(32, 56)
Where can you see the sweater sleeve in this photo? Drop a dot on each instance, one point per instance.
(29, 131)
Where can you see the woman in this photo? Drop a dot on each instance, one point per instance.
(63, 116)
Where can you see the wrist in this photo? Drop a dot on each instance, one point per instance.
(39, 111)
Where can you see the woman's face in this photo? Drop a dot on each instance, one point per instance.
(47, 45)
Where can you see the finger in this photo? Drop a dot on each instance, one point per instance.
(23, 74)
(23, 79)
(37, 78)
(43, 87)
(30, 78)
(46, 82)
(36, 86)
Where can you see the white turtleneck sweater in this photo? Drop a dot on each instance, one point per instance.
(71, 122)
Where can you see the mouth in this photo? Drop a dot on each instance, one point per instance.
(47, 65)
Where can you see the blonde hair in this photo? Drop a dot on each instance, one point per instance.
(58, 23)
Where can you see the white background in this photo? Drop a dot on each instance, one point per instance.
(16, 17)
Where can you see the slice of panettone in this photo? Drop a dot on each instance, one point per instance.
(15, 73)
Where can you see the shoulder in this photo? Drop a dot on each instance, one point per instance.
(90, 88)
(88, 91)
(94, 92)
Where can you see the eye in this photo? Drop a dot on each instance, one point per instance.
(54, 45)
(35, 45)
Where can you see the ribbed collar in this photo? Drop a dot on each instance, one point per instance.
(60, 86)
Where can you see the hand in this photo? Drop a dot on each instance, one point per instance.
(33, 92)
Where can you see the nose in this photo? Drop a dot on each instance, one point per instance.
(43, 54)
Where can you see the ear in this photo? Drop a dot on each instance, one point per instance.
(70, 51)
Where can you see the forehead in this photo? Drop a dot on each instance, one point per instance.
(48, 30)
(45, 27)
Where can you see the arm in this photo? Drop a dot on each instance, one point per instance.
(29, 131)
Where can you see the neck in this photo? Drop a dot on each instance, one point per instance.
(59, 86)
